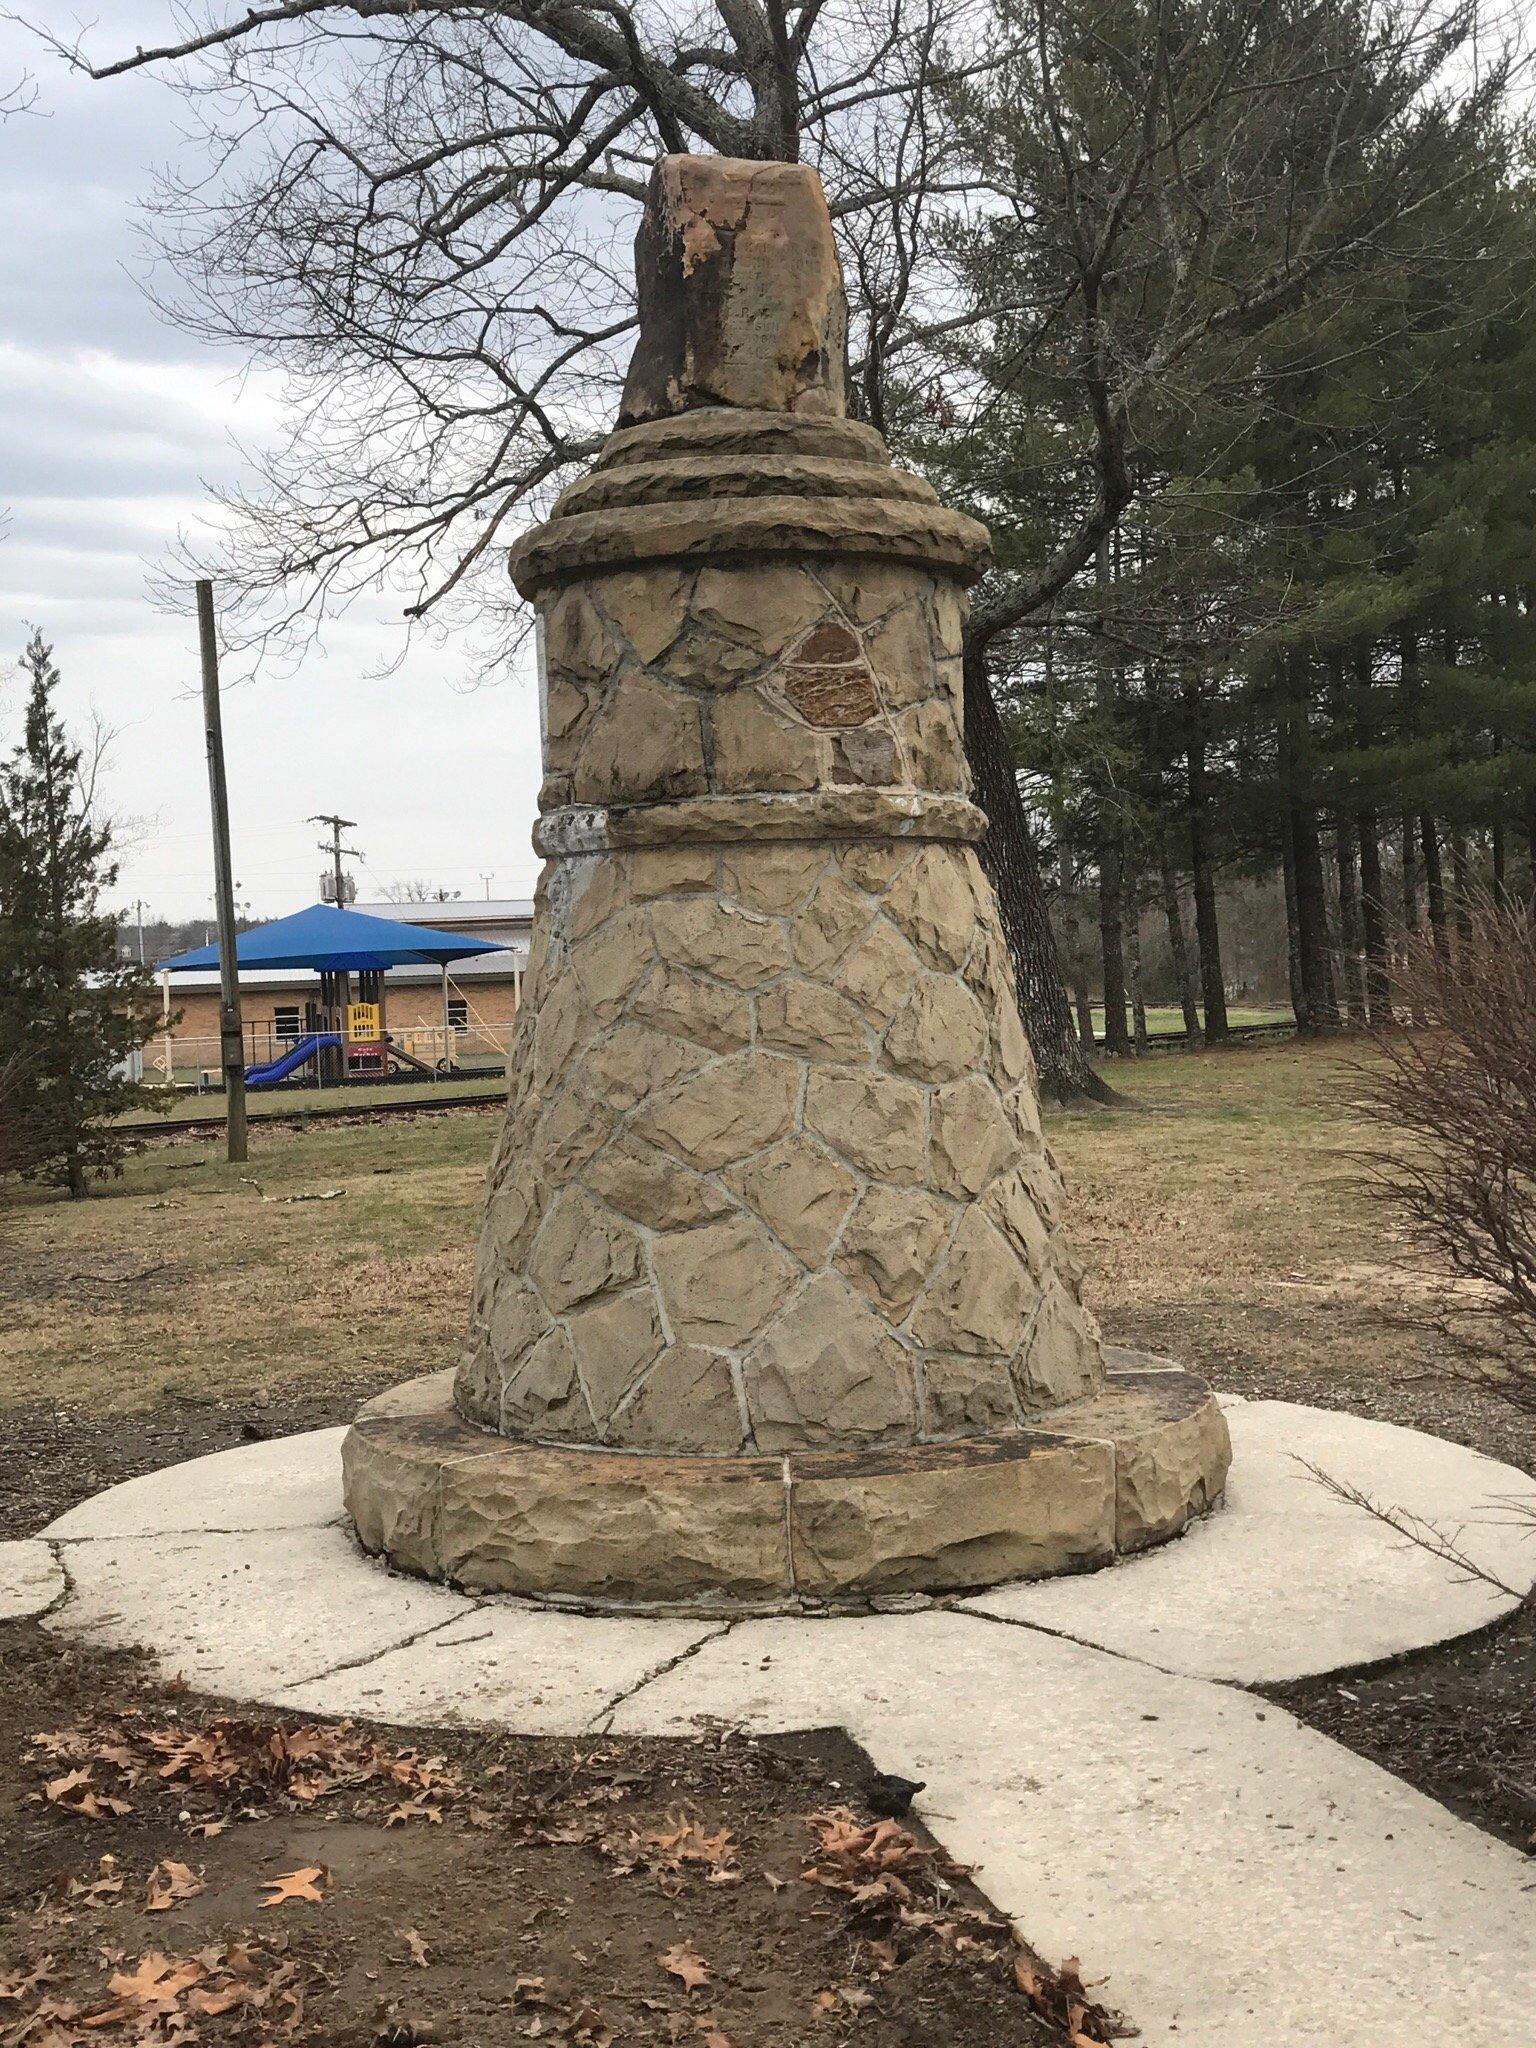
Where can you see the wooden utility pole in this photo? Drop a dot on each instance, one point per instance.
(231, 1034)
(336, 851)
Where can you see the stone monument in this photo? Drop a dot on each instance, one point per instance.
(773, 1303)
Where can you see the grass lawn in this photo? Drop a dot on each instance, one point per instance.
(1163, 1021)
(1225, 1222)
(1221, 1224)
(193, 1278)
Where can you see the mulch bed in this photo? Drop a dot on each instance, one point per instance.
(175, 1871)
(51, 1457)
(1458, 1721)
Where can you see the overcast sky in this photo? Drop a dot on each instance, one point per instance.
(111, 422)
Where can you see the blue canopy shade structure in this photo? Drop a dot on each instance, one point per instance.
(331, 941)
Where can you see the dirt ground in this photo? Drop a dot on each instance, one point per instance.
(194, 1306)
(176, 1872)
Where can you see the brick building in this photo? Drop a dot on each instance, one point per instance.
(483, 994)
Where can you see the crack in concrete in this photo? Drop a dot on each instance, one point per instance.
(1062, 1635)
(66, 1592)
(599, 1721)
(405, 1642)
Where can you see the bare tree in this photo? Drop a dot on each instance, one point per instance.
(417, 891)
(420, 211)
(1453, 1101)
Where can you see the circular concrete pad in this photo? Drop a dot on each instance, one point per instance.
(1290, 1580)
(241, 1568)
(1235, 1878)
(1105, 1476)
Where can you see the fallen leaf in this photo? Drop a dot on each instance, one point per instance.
(18, 1983)
(1026, 1976)
(295, 1885)
(154, 1987)
(58, 1789)
(682, 1962)
(416, 1945)
(169, 1884)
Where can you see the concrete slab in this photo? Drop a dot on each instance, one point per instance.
(529, 1668)
(31, 1579)
(1287, 1581)
(243, 1617)
(290, 1482)
(1238, 1880)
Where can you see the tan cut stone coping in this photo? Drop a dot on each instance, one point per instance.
(682, 479)
(929, 536)
(444, 1500)
(816, 816)
(730, 430)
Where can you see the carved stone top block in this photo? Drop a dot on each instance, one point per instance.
(740, 290)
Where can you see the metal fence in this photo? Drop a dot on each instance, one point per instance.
(427, 1052)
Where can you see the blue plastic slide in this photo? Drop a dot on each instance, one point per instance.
(297, 1055)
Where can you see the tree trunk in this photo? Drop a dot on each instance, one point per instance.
(1461, 884)
(1500, 860)
(1178, 948)
(1299, 1004)
(1110, 850)
(1373, 923)
(1087, 1037)
(1213, 986)
(1312, 920)
(1347, 860)
(1133, 964)
(1410, 874)
(1434, 883)
(1117, 1039)
(1008, 853)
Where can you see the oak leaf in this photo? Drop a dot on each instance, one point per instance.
(169, 1883)
(295, 1885)
(682, 1962)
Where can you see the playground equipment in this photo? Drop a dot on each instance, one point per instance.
(299, 1054)
(345, 1035)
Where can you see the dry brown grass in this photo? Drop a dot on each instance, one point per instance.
(1227, 1224)
(182, 1280)
(1223, 1225)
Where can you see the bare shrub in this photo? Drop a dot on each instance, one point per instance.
(1453, 1099)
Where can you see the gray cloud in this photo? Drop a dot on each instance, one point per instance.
(110, 421)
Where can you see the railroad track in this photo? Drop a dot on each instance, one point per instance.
(363, 1112)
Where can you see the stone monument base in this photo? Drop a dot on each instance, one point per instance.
(1091, 1481)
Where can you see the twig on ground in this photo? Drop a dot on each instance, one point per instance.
(1429, 1536)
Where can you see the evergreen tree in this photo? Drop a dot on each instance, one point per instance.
(1315, 608)
(71, 1012)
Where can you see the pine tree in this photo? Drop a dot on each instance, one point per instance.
(71, 1012)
